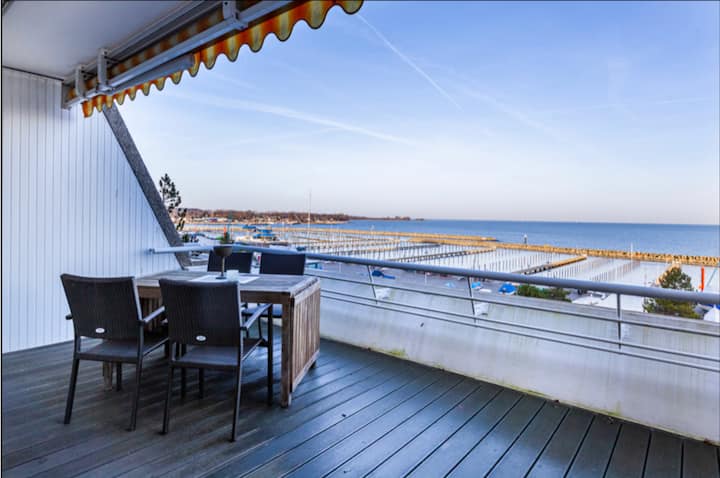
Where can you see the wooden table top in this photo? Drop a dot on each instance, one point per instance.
(273, 288)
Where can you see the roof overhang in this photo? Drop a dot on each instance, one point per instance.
(146, 43)
(51, 38)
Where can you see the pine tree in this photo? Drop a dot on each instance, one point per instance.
(674, 278)
(172, 200)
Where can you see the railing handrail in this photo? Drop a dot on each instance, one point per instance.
(621, 289)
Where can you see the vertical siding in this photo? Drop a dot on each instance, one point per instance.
(70, 203)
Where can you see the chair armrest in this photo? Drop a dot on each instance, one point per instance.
(68, 317)
(152, 315)
(261, 309)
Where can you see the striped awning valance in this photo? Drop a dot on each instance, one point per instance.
(280, 23)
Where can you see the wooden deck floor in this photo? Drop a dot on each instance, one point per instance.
(358, 413)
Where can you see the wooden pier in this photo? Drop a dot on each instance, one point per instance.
(441, 255)
(488, 242)
(550, 265)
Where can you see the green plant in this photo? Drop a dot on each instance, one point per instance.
(673, 278)
(171, 198)
(188, 238)
(553, 293)
(225, 238)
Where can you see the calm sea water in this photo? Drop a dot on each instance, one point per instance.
(665, 238)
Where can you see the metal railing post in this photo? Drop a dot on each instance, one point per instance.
(619, 324)
(472, 302)
(372, 282)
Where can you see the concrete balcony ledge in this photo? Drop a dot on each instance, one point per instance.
(675, 398)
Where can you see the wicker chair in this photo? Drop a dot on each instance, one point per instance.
(274, 263)
(237, 261)
(206, 317)
(108, 309)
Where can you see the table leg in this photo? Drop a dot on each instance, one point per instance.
(270, 350)
(286, 357)
(107, 372)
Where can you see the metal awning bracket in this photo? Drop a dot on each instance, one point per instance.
(102, 70)
(80, 81)
(231, 13)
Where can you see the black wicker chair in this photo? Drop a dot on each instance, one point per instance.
(237, 261)
(206, 317)
(274, 263)
(109, 309)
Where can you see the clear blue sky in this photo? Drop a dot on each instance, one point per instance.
(563, 111)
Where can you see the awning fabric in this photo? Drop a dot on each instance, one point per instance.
(282, 24)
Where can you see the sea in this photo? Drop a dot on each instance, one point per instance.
(701, 240)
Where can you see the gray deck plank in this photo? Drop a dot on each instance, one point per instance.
(198, 444)
(700, 460)
(664, 458)
(189, 439)
(628, 459)
(446, 456)
(385, 427)
(420, 447)
(209, 415)
(493, 446)
(356, 413)
(521, 456)
(331, 428)
(395, 375)
(364, 462)
(595, 452)
(563, 446)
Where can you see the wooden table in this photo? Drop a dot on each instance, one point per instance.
(300, 300)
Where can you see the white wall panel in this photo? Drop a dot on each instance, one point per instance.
(70, 203)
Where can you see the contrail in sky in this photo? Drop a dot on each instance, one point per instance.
(289, 113)
(411, 63)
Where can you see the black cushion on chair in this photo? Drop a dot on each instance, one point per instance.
(121, 350)
(215, 357)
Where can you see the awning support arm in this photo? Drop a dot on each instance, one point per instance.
(233, 19)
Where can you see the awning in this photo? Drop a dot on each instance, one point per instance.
(223, 30)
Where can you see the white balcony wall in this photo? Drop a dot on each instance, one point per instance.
(70, 203)
(671, 397)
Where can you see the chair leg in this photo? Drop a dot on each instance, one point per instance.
(168, 395)
(181, 349)
(71, 390)
(167, 349)
(118, 372)
(260, 334)
(201, 382)
(236, 409)
(136, 396)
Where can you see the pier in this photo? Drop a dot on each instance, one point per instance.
(550, 265)
(440, 255)
(486, 242)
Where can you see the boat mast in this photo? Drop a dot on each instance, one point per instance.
(309, 209)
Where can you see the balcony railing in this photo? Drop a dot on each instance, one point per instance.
(657, 370)
(703, 361)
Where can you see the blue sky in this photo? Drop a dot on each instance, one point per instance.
(563, 111)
